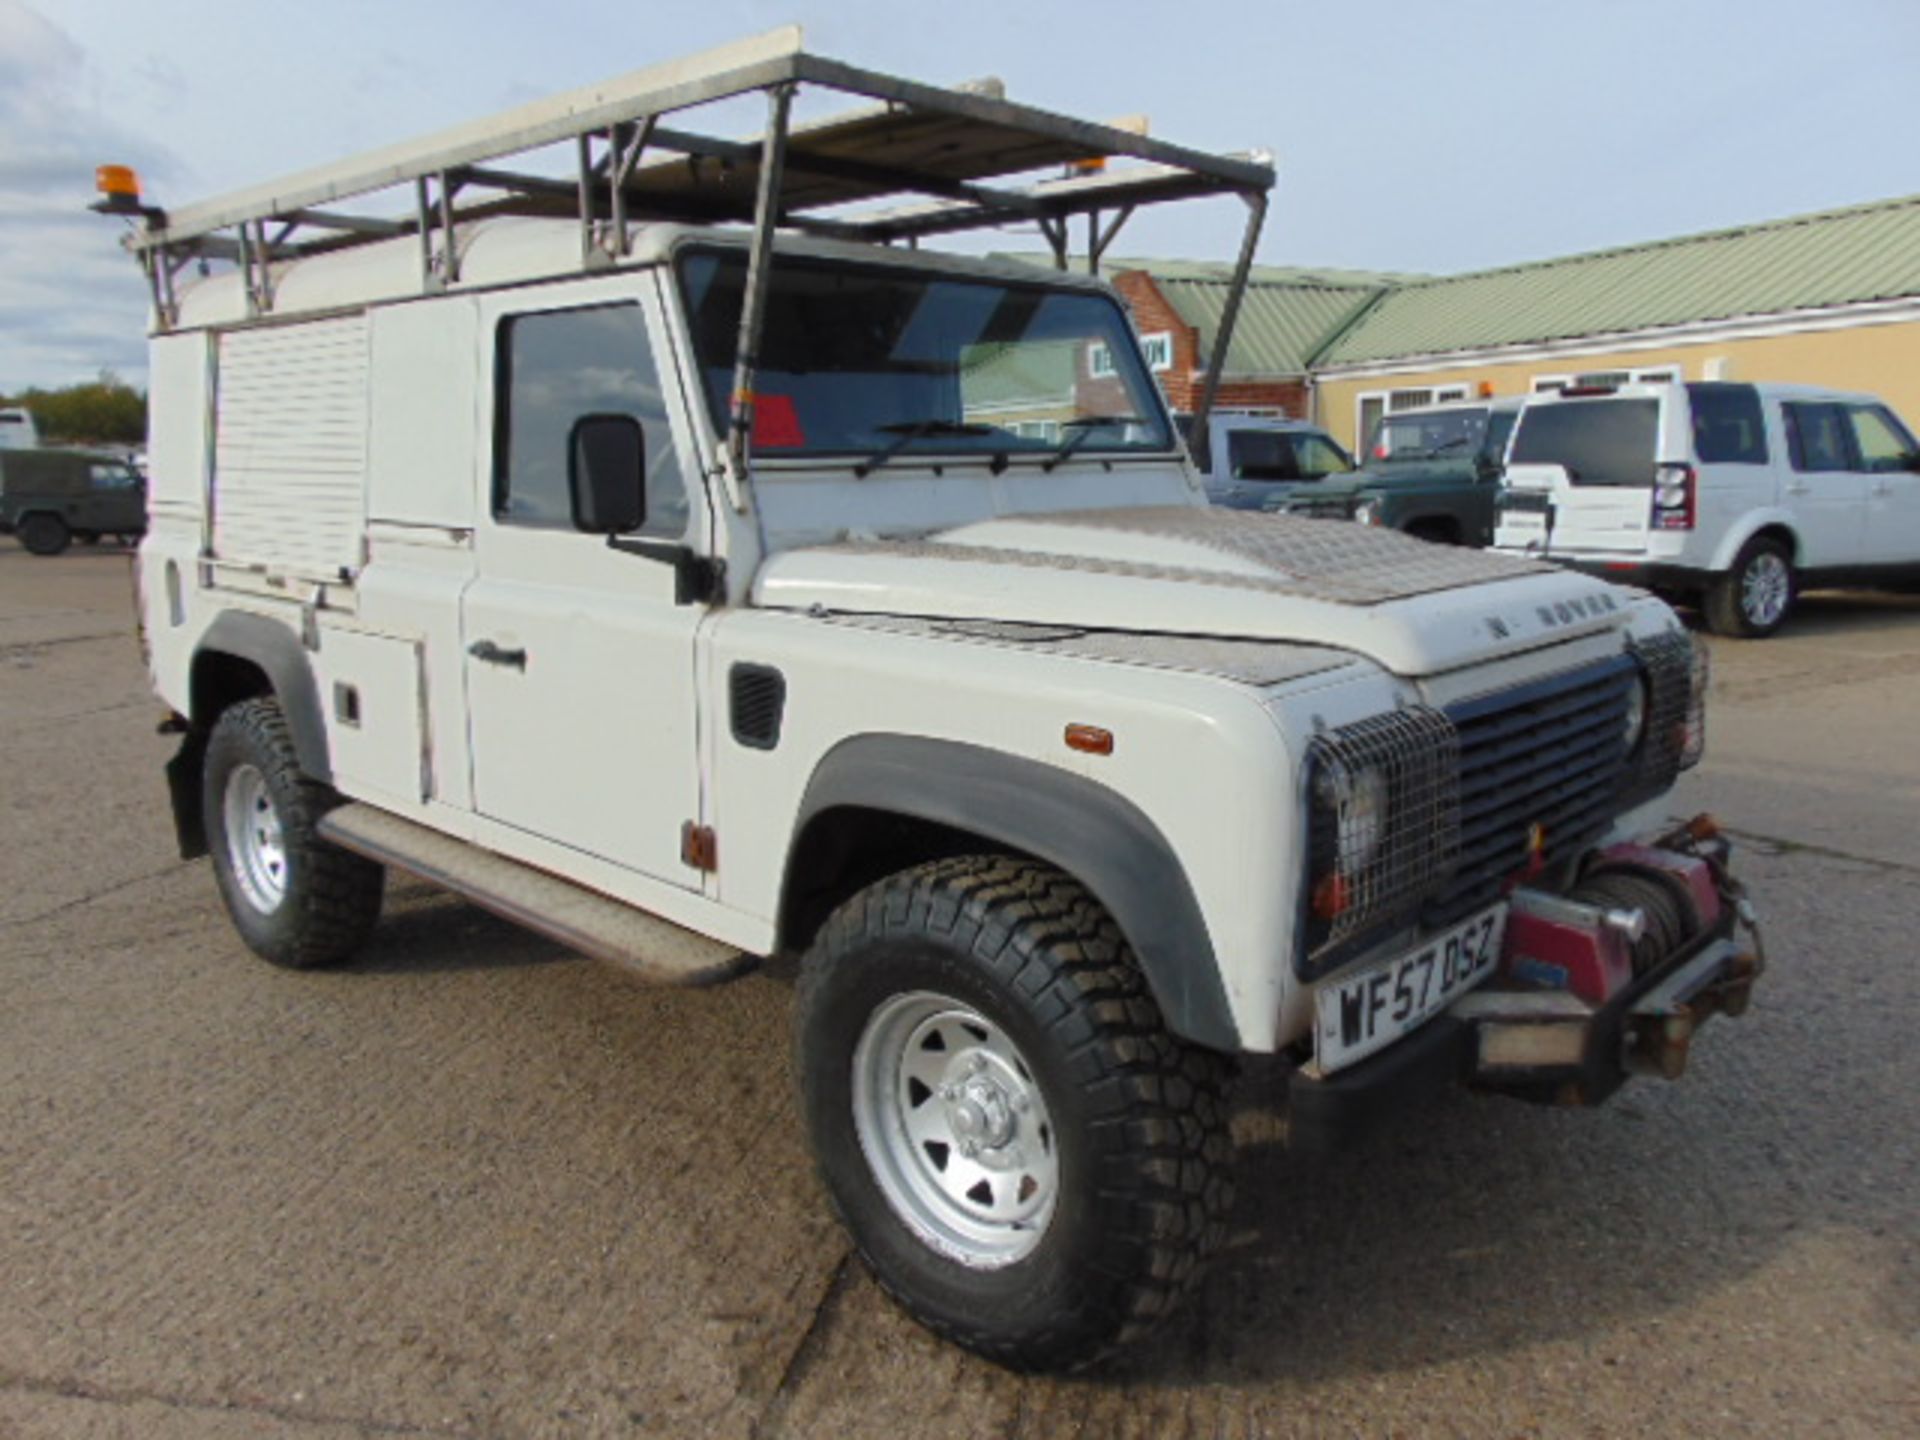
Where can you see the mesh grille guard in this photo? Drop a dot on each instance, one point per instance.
(1674, 731)
(1403, 828)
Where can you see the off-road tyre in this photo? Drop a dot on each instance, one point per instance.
(328, 898)
(1138, 1116)
(44, 534)
(1734, 604)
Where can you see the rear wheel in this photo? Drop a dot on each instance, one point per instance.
(43, 534)
(295, 899)
(1754, 598)
(1030, 1163)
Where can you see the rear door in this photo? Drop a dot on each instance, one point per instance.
(1825, 490)
(1585, 468)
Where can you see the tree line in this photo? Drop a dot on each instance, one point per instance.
(104, 411)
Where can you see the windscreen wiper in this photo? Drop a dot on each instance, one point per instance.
(909, 431)
(1082, 427)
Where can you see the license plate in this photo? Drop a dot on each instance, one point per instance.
(1369, 1010)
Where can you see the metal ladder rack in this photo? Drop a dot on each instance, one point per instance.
(941, 148)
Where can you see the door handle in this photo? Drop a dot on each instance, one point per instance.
(1798, 489)
(489, 653)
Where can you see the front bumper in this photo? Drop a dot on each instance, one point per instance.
(1546, 1044)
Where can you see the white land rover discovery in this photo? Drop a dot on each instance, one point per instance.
(690, 599)
(1733, 495)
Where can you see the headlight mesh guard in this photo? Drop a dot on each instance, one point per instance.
(1417, 750)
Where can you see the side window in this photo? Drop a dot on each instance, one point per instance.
(1260, 455)
(1817, 437)
(112, 477)
(1727, 428)
(554, 367)
(1880, 440)
(1318, 457)
(1372, 407)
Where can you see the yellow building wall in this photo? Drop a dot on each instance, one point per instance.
(1881, 359)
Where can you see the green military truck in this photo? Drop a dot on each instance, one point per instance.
(1433, 472)
(50, 498)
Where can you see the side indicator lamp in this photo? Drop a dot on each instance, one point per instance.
(1089, 739)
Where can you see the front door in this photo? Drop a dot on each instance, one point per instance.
(580, 675)
(1885, 452)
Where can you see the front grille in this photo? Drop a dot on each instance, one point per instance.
(1321, 509)
(1551, 754)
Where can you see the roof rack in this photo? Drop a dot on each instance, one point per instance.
(933, 151)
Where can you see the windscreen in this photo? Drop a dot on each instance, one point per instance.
(858, 359)
(1442, 433)
(1600, 442)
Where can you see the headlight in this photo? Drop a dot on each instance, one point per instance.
(1367, 512)
(1358, 800)
(1636, 722)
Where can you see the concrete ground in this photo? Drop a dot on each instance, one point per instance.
(471, 1185)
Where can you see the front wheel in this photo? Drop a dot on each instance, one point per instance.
(1754, 598)
(1028, 1160)
(295, 899)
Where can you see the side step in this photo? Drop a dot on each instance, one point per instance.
(569, 914)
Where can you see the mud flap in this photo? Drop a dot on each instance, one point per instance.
(183, 788)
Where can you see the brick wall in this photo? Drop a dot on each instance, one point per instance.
(1183, 383)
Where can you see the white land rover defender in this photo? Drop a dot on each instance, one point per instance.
(691, 595)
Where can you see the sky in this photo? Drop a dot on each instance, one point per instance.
(1408, 137)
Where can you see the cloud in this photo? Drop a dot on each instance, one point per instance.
(71, 302)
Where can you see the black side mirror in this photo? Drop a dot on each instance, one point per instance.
(607, 474)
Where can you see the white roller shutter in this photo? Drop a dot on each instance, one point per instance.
(290, 447)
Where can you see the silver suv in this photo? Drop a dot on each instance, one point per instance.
(1735, 495)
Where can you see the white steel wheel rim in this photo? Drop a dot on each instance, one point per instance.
(1763, 589)
(256, 844)
(955, 1129)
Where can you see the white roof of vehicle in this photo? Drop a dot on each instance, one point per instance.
(510, 250)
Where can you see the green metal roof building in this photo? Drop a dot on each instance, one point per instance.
(1831, 298)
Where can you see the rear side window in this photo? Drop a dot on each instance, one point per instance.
(1260, 455)
(1727, 428)
(1600, 442)
(1817, 437)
